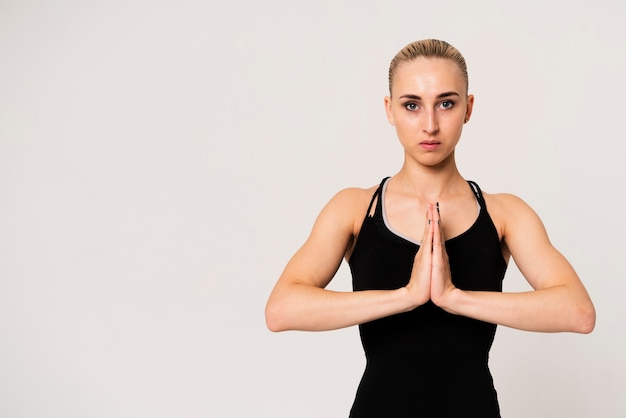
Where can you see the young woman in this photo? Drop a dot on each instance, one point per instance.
(428, 251)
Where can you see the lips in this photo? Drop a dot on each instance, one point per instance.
(429, 145)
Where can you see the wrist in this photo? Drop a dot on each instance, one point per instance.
(408, 299)
(451, 300)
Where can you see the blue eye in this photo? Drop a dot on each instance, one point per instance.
(410, 106)
(447, 104)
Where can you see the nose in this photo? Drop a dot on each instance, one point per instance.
(431, 124)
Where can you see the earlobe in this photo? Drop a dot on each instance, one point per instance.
(388, 111)
(470, 105)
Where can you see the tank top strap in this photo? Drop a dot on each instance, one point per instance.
(376, 197)
(478, 193)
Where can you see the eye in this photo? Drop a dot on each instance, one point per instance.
(447, 104)
(411, 106)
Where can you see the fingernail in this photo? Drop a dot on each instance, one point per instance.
(429, 222)
(437, 207)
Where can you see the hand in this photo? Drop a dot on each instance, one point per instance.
(441, 278)
(419, 285)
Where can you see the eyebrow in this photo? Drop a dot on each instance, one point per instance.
(439, 96)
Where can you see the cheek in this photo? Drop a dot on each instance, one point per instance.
(406, 119)
(402, 130)
(405, 127)
(456, 120)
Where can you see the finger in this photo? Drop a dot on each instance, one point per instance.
(427, 229)
(439, 254)
(427, 242)
(438, 240)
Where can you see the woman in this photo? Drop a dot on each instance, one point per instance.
(428, 251)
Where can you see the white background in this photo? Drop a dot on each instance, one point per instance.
(160, 161)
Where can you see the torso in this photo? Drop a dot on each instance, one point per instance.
(453, 376)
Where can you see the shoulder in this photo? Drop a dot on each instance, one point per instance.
(340, 220)
(350, 204)
(513, 216)
(505, 202)
(354, 196)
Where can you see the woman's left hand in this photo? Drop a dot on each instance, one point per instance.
(441, 286)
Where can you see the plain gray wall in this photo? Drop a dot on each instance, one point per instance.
(160, 161)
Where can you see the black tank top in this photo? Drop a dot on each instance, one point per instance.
(427, 362)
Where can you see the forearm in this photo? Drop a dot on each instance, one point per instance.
(554, 309)
(309, 308)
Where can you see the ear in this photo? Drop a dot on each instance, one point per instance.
(388, 111)
(470, 106)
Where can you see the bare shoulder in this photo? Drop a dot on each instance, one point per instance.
(335, 229)
(514, 218)
(503, 203)
(353, 196)
(350, 205)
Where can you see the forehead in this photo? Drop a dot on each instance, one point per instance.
(424, 75)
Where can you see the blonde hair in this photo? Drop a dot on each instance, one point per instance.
(429, 48)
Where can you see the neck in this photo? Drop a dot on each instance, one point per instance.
(430, 184)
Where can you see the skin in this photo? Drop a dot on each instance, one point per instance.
(428, 108)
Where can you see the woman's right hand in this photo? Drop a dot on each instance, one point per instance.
(300, 300)
(419, 283)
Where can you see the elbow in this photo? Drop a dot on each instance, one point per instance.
(585, 319)
(274, 318)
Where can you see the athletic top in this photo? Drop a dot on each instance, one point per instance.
(426, 362)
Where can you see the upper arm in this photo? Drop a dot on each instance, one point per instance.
(526, 238)
(334, 230)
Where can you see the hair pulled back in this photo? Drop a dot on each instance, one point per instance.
(429, 48)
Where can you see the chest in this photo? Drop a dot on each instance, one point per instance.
(408, 217)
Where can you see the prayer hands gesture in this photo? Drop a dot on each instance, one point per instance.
(430, 277)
